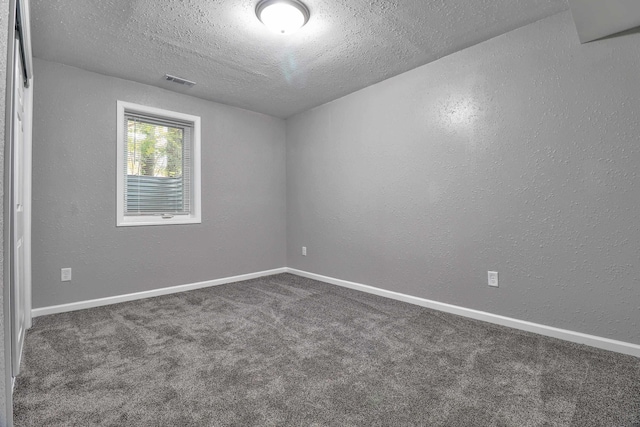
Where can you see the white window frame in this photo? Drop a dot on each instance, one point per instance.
(123, 220)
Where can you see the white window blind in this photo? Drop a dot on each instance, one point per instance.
(158, 166)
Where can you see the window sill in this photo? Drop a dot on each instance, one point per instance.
(157, 220)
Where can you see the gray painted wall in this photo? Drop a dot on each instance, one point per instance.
(5, 368)
(596, 18)
(74, 199)
(519, 155)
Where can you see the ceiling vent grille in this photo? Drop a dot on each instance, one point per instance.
(178, 80)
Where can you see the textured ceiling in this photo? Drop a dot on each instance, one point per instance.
(345, 46)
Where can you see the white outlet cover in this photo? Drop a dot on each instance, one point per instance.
(492, 279)
(65, 275)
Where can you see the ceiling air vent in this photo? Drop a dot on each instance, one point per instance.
(178, 80)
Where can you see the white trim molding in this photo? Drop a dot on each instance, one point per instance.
(27, 196)
(81, 305)
(549, 331)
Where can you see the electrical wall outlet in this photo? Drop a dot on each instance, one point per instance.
(65, 275)
(492, 277)
(304, 251)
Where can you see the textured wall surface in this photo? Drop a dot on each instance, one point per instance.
(596, 18)
(519, 155)
(345, 46)
(74, 194)
(5, 387)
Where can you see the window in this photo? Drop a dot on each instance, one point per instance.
(158, 169)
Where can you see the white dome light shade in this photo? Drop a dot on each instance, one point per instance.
(282, 16)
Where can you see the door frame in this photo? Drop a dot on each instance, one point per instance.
(25, 28)
(18, 33)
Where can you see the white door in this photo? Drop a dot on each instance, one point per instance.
(17, 199)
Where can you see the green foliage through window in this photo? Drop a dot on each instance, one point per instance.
(154, 150)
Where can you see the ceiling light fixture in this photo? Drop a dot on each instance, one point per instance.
(282, 16)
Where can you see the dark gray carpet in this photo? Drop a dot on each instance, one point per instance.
(288, 351)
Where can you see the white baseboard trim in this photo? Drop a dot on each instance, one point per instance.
(549, 331)
(80, 305)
